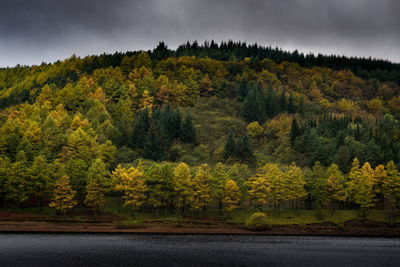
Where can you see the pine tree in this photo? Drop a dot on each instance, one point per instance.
(242, 90)
(244, 150)
(40, 179)
(134, 188)
(276, 182)
(253, 107)
(360, 188)
(17, 188)
(230, 147)
(317, 185)
(155, 144)
(140, 127)
(63, 196)
(295, 183)
(294, 131)
(300, 108)
(94, 196)
(391, 186)
(188, 132)
(218, 181)
(202, 190)
(291, 107)
(232, 195)
(258, 189)
(283, 102)
(98, 171)
(336, 182)
(183, 186)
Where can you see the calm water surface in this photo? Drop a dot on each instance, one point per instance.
(199, 250)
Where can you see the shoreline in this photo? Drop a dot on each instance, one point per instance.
(31, 227)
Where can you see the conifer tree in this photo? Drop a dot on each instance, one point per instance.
(294, 131)
(188, 132)
(218, 181)
(94, 196)
(17, 188)
(40, 179)
(360, 188)
(300, 108)
(230, 147)
(335, 182)
(4, 169)
(134, 188)
(258, 189)
(276, 182)
(253, 107)
(63, 196)
(317, 186)
(98, 171)
(183, 186)
(283, 102)
(291, 107)
(244, 150)
(140, 127)
(242, 90)
(391, 186)
(155, 144)
(232, 195)
(202, 190)
(295, 183)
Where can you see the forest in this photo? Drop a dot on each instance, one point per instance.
(204, 127)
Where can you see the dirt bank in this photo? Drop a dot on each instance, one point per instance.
(171, 228)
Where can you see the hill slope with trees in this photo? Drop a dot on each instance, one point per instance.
(225, 125)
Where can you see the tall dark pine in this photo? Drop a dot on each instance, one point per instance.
(291, 107)
(230, 147)
(243, 90)
(244, 150)
(154, 147)
(254, 107)
(294, 132)
(139, 130)
(282, 102)
(301, 106)
(188, 132)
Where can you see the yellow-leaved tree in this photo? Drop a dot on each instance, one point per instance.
(335, 182)
(361, 186)
(94, 196)
(202, 190)
(183, 186)
(63, 196)
(391, 186)
(258, 189)
(134, 188)
(276, 183)
(232, 195)
(295, 182)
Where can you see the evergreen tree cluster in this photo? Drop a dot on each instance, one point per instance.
(331, 139)
(152, 135)
(259, 106)
(240, 149)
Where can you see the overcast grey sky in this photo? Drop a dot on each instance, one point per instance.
(32, 31)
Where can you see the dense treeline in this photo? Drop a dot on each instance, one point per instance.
(66, 127)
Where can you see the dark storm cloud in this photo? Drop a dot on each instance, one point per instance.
(32, 31)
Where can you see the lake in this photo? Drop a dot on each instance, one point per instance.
(199, 250)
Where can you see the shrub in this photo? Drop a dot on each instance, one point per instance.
(257, 222)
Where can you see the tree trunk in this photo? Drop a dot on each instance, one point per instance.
(220, 206)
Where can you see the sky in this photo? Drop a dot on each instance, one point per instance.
(35, 31)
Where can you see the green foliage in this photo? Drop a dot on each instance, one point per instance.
(258, 221)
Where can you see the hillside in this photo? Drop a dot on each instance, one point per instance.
(87, 122)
